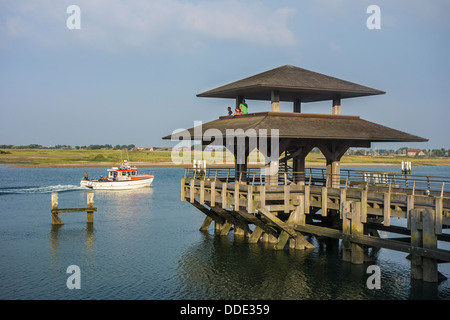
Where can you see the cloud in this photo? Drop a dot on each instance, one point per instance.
(163, 25)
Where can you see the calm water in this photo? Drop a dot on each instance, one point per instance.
(146, 244)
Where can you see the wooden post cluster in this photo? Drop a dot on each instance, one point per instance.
(423, 235)
(352, 225)
(56, 220)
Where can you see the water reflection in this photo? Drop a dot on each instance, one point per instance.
(57, 232)
(228, 268)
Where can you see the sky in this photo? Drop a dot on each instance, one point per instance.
(131, 72)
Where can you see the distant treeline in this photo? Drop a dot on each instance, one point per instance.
(63, 146)
(404, 151)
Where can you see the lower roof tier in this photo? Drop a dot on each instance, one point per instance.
(302, 126)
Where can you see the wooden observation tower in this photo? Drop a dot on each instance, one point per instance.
(279, 203)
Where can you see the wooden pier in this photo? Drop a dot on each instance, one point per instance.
(56, 220)
(283, 203)
(354, 212)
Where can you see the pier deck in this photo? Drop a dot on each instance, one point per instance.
(413, 210)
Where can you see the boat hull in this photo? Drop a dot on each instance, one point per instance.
(117, 185)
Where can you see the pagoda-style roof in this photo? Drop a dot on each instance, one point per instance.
(292, 83)
(304, 126)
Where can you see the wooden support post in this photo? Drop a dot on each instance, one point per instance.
(236, 196)
(364, 205)
(409, 207)
(275, 103)
(202, 191)
(226, 227)
(297, 105)
(335, 174)
(90, 205)
(286, 198)
(217, 227)
(191, 190)
(224, 195)
(438, 209)
(56, 220)
(429, 240)
(250, 204)
(324, 201)
(387, 209)
(307, 199)
(270, 238)
(183, 190)
(256, 235)
(336, 106)
(206, 223)
(357, 229)
(416, 241)
(262, 194)
(285, 227)
(213, 193)
(346, 229)
(240, 232)
(343, 198)
(297, 216)
(282, 240)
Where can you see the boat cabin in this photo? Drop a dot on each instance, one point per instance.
(122, 173)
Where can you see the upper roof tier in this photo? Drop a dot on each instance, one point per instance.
(292, 83)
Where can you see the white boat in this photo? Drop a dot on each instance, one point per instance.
(118, 178)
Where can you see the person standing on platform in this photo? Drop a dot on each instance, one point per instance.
(243, 106)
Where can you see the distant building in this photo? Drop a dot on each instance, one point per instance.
(415, 153)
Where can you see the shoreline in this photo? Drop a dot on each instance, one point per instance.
(172, 165)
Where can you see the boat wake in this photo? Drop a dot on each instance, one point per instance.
(41, 189)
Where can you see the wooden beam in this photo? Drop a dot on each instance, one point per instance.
(438, 254)
(69, 210)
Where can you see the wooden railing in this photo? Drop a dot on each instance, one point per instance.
(406, 183)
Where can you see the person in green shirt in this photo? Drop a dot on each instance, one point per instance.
(243, 107)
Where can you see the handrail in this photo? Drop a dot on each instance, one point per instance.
(429, 185)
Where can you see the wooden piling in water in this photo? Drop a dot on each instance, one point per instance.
(90, 206)
(429, 238)
(56, 220)
(356, 229)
